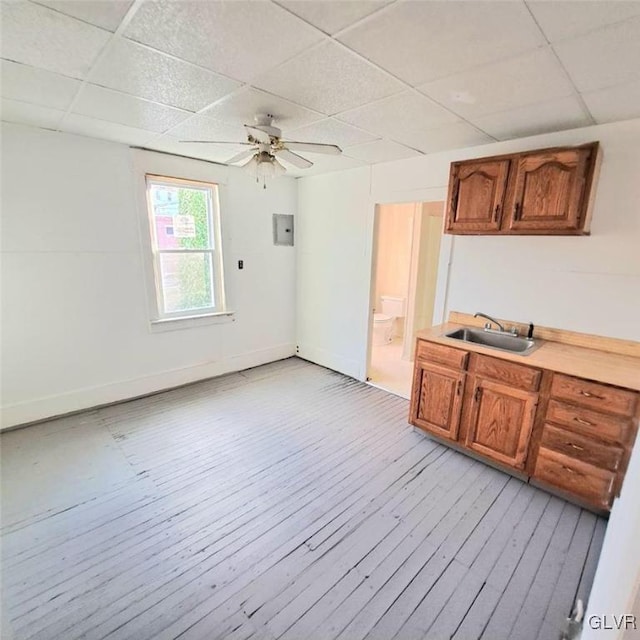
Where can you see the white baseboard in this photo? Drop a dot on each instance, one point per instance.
(90, 397)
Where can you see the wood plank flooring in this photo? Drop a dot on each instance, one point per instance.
(284, 502)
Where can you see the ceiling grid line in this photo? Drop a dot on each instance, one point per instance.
(123, 24)
(552, 50)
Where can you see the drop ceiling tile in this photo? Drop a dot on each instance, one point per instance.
(107, 14)
(398, 115)
(241, 107)
(239, 39)
(614, 103)
(200, 127)
(422, 41)
(44, 38)
(448, 136)
(149, 74)
(329, 132)
(334, 16)
(533, 77)
(30, 84)
(329, 79)
(380, 151)
(31, 114)
(563, 19)
(555, 115)
(603, 58)
(104, 104)
(85, 126)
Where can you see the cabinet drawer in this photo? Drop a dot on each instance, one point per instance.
(432, 352)
(589, 423)
(594, 395)
(513, 375)
(578, 478)
(581, 448)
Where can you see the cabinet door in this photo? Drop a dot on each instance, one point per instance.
(476, 195)
(436, 399)
(501, 421)
(549, 190)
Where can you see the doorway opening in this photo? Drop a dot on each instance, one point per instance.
(406, 250)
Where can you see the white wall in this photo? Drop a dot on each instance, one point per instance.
(75, 322)
(334, 269)
(589, 284)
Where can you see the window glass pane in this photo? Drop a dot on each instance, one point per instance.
(181, 217)
(186, 281)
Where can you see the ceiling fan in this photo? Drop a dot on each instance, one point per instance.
(267, 147)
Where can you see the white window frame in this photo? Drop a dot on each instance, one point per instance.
(214, 250)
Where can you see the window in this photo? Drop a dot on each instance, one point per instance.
(185, 240)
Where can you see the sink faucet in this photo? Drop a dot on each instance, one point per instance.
(488, 324)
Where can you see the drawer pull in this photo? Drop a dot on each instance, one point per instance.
(585, 422)
(575, 446)
(588, 394)
(570, 470)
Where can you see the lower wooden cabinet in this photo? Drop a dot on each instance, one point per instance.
(566, 434)
(588, 482)
(501, 421)
(437, 400)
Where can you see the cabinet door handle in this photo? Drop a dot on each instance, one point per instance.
(459, 387)
(575, 446)
(477, 393)
(584, 422)
(516, 211)
(588, 394)
(496, 213)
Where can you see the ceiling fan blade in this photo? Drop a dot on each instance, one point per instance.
(245, 154)
(294, 158)
(216, 142)
(258, 134)
(330, 149)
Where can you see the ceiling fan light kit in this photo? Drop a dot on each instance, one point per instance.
(265, 142)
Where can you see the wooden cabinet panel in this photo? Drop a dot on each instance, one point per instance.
(594, 395)
(547, 191)
(431, 352)
(476, 195)
(436, 399)
(549, 188)
(501, 422)
(581, 448)
(515, 375)
(588, 422)
(586, 481)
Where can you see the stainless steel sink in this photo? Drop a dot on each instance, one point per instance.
(495, 340)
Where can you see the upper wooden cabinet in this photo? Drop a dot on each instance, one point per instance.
(537, 192)
(477, 196)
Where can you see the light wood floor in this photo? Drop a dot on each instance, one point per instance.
(286, 501)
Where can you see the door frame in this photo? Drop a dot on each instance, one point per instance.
(440, 310)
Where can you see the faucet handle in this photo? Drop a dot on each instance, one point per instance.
(514, 330)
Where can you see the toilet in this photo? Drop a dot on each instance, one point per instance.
(383, 323)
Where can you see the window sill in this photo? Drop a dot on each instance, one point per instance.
(191, 322)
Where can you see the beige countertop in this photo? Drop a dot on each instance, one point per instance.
(592, 364)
